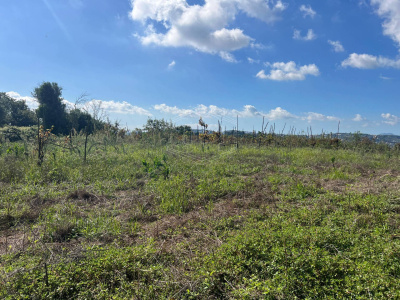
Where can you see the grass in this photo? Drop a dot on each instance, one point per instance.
(192, 222)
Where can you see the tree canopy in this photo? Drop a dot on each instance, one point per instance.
(51, 108)
(15, 112)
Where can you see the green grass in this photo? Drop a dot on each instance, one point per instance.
(190, 222)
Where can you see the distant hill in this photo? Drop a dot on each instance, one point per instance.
(386, 138)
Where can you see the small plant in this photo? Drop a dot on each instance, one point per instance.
(333, 159)
(43, 137)
(17, 150)
(157, 168)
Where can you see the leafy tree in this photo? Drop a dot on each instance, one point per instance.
(3, 109)
(51, 109)
(80, 120)
(183, 129)
(15, 112)
(157, 126)
(21, 115)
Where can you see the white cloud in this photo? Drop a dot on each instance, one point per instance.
(384, 77)
(69, 105)
(390, 119)
(31, 102)
(337, 46)
(227, 57)
(259, 46)
(248, 111)
(208, 111)
(309, 37)
(307, 11)
(120, 107)
(279, 114)
(389, 10)
(202, 27)
(281, 71)
(366, 61)
(253, 61)
(358, 118)
(172, 65)
(312, 116)
(173, 110)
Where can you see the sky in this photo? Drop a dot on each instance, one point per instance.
(321, 65)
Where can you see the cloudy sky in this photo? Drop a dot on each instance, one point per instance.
(300, 63)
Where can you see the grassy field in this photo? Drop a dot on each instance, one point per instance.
(193, 221)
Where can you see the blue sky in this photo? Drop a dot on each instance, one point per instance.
(300, 63)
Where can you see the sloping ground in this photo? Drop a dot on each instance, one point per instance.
(266, 223)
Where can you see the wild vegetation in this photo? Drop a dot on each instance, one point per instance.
(97, 212)
(166, 213)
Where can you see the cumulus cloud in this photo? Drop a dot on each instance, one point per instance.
(120, 107)
(366, 61)
(279, 114)
(390, 119)
(108, 106)
(174, 110)
(307, 11)
(281, 71)
(337, 46)
(31, 102)
(389, 10)
(209, 111)
(358, 118)
(227, 57)
(248, 111)
(308, 37)
(202, 27)
(172, 65)
(312, 116)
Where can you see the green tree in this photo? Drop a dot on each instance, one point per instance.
(158, 126)
(15, 112)
(21, 115)
(51, 109)
(183, 129)
(80, 120)
(4, 109)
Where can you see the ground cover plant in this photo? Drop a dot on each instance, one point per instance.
(115, 216)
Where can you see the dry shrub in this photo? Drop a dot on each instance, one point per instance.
(11, 169)
(6, 221)
(82, 195)
(61, 231)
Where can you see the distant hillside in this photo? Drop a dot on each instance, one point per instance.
(387, 138)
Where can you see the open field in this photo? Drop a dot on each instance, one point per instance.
(193, 221)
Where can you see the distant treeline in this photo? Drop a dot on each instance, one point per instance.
(51, 113)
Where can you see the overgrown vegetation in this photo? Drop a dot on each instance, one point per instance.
(167, 214)
(98, 212)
